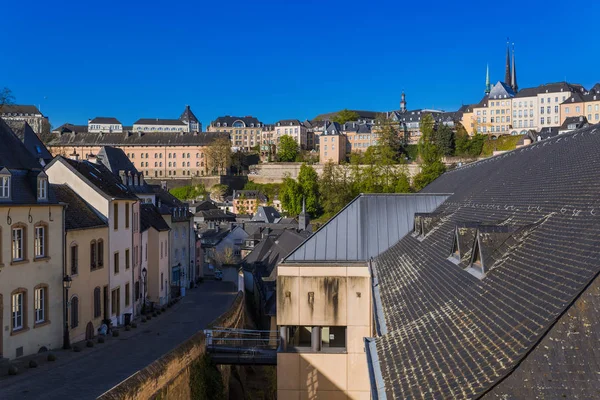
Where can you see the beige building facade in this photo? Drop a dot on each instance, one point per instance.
(245, 133)
(332, 148)
(324, 312)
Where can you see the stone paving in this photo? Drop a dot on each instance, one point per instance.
(93, 371)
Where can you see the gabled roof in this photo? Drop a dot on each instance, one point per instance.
(98, 176)
(267, 214)
(115, 160)
(525, 330)
(150, 217)
(288, 122)
(13, 153)
(369, 225)
(31, 141)
(188, 115)
(249, 194)
(78, 214)
(105, 120)
(578, 122)
(18, 109)
(229, 120)
(501, 90)
(70, 128)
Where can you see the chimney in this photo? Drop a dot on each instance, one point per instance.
(74, 155)
(92, 158)
(163, 185)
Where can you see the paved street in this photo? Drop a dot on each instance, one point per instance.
(88, 374)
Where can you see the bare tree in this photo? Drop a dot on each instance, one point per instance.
(6, 98)
(219, 155)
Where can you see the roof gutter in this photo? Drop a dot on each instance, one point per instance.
(375, 377)
(378, 314)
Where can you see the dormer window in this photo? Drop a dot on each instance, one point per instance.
(42, 188)
(4, 186)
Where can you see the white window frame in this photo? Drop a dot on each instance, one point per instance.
(17, 311)
(4, 187)
(39, 242)
(40, 305)
(18, 252)
(42, 189)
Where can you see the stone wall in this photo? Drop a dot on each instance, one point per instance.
(169, 376)
(275, 172)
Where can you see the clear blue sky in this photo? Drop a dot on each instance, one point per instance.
(281, 59)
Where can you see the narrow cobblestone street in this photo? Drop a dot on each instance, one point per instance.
(88, 374)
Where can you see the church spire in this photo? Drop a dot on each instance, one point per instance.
(514, 85)
(403, 102)
(507, 75)
(488, 87)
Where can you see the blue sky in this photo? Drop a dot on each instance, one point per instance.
(278, 59)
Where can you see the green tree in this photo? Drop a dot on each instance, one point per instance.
(217, 192)
(309, 186)
(188, 192)
(468, 146)
(444, 139)
(429, 155)
(291, 196)
(345, 115)
(288, 149)
(389, 136)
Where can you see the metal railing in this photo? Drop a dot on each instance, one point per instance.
(242, 346)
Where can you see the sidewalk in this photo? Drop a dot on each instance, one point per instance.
(92, 371)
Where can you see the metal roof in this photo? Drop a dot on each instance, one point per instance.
(366, 227)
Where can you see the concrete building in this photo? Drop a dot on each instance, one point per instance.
(31, 253)
(333, 144)
(248, 201)
(159, 155)
(26, 113)
(293, 128)
(582, 104)
(97, 185)
(155, 255)
(500, 109)
(105, 125)
(359, 136)
(325, 297)
(244, 132)
(86, 243)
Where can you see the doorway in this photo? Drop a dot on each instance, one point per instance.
(105, 294)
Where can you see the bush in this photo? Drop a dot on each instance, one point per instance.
(115, 333)
(76, 349)
(13, 370)
(134, 325)
(51, 357)
(89, 343)
(100, 339)
(206, 381)
(33, 364)
(189, 192)
(127, 328)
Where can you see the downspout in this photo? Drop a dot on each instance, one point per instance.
(64, 250)
(108, 311)
(132, 288)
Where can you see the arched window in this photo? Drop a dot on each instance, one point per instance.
(93, 255)
(74, 312)
(100, 252)
(97, 303)
(18, 305)
(188, 155)
(74, 259)
(170, 163)
(19, 242)
(40, 303)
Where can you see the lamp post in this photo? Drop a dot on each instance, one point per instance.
(67, 281)
(145, 287)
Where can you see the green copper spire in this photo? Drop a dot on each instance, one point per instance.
(488, 87)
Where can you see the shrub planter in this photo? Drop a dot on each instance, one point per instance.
(100, 339)
(13, 370)
(89, 343)
(51, 357)
(33, 364)
(115, 333)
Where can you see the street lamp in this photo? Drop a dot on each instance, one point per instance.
(67, 281)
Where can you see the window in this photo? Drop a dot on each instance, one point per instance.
(42, 188)
(555, 109)
(74, 312)
(18, 244)
(4, 187)
(39, 245)
(100, 249)
(74, 259)
(127, 294)
(126, 215)
(39, 306)
(137, 294)
(127, 259)
(115, 299)
(18, 310)
(577, 109)
(116, 216)
(162, 282)
(542, 120)
(97, 303)
(116, 262)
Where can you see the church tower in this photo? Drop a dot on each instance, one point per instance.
(488, 87)
(403, 103)
(507, 74)
(513, 82)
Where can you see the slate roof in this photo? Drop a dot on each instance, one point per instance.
(267, 214)
(271, 250)
(249, 194)
(215, 215)
(288, 122)
(501, 90)
(158, 121)
(579, 122)
(98, 176)
(105, 120)
(229, 120)
(370, 224)
(115, 160)
(451, 335)
(78, 214)
(13, 153)
(18, 109)
(150, 217)
(132, 138)
(353, 126)
(188, 115)
(70, 128)
(29, 138)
